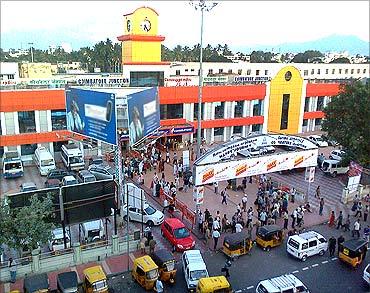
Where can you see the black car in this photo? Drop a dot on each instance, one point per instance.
(57, 174)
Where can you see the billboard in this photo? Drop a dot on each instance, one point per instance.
(253, 166)
(143, 114)
(92, 113)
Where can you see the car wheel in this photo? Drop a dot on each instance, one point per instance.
(304, 258)
(322, 252)
(150, 223)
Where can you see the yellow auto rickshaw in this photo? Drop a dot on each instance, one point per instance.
(166, 265)
(237, 244)
(269, 236)
(353, 251)
(213, 285)
(145, 272)
(95, 280)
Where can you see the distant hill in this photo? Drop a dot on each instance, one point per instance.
(337, 43)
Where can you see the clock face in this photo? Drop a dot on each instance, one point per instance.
(128, 25)
(146, 25)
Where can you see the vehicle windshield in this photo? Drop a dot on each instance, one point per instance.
(170, 266)
(181, 233)
(150, 210)
(152, 274)
(196, 275)
(99, 285)
(74, 160)
(71, 182)
(293, 243)
(13, 166)
(49, 162)
(93, 233)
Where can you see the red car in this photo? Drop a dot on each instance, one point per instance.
(177, 234)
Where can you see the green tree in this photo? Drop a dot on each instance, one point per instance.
(347, 120)
(341, 60)
(307, 56)
(29, 226)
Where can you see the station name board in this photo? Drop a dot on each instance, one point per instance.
(103, 81)
(245, 79)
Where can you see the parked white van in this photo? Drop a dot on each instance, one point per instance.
(334, 167)
(72, 157)
(57, 242)
(285, 283)
(44, 160)
(92, 231)
(307, 244)
(194, 268)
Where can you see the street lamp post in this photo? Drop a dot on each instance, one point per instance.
(203, 6)
(31, 44)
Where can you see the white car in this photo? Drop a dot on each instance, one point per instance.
(149, 216)
(69, 180)
(57, 242)
(317, 139)
(366, 275)
(337, 154)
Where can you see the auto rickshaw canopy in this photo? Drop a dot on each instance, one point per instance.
(67, 282)
(162, 256)
(354, 246)
(212, 284)
(94, 274)
(236, 240)
(35, 283)
(146, 263)
(268, 230)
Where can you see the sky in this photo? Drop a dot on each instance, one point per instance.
(237, 23)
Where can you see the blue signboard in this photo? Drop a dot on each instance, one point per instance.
(143, 114)
(92, 113)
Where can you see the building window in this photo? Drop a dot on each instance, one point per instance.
(192, 70)
(257, 72)
(318, 121)
(340, 71)
(318, 71)
(146, 78)
(238, 109)
(305, 122)
(177, 72)
(333, 71)
(237, 129)
(352, 71)
(240, 71)
(358, 71)
(312, 71)
(219, 110)
(186, 70)
(218, 131)
(28, 149)
(210, 71)
(58, 120)
(307, 104)
(220, 70)
(326, 71)
(320, 103)
(285, 112)
(230, 71)
(257, 107)
(196, 107)
(346, 71)
(26, 121)
(249, 72)
(9, 123)
(364, 71)
(257, 128)
(43, 116)
(171, 111)
(266, 72)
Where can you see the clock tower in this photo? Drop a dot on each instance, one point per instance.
(141, 44)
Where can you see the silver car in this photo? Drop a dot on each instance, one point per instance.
(102, 171)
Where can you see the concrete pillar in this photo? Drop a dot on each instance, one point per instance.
(35, 254)
(345, 194)
(77, 253)
(115, 244)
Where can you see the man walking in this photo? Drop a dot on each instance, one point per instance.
(321, 206)
(13, 270)
(340, 220)
(294, 218)
(356, 229)
(286, 219)
(244, 202)
(216, 187)
(366, 213)
(332, 243)
(224, 196)
(215, 235)
(318, 192)
(340, 241)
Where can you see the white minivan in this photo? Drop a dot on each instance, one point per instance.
(334, 167)
(57, 241)
(285, 283)
(307, 244)
(194, 268)
(44, 160)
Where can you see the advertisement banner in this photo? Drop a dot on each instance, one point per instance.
(254, 166)
(143, 114)
(181, 81)
(92, 113)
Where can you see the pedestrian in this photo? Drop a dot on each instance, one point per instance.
(215, 184)
(244, 182)
(207, 233)
(356, 229)
(249, 216)
(244, 202)
(286, 220)
(225, 269)
(152, 244)
(318, 192)
(263, 218)
(366, 213)
(332, 244)
(216, 225)
(331, 219)
(340, 220)
(340, 241)
(165, 204)
(224, 196)
(238, 227)
(200, 221)
(347, 224)
(294, 218)
(359, 209)
(159, 286)
(142, 244)
(321, 206)
(12, 269)
(215, 235)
